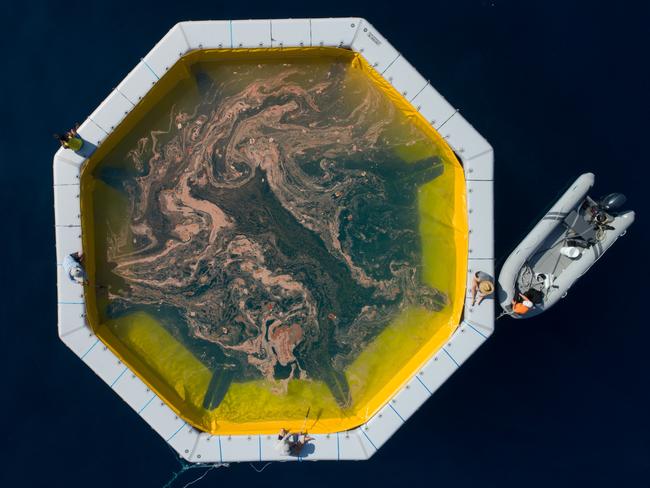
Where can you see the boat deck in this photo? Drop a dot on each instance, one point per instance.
(548, 260)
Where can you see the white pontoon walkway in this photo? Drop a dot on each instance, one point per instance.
(474, 151)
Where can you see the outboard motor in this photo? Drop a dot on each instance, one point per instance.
(612, 203)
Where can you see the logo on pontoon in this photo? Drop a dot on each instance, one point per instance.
(374, 39)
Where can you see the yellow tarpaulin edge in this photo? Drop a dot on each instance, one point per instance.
(458, 223)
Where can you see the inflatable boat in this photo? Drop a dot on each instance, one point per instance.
(564, 244)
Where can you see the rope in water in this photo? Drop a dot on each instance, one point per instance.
(261, 469)
(186, 466)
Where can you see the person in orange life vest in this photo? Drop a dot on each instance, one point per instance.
(522, 307)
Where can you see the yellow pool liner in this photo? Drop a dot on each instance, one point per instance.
(387, 363)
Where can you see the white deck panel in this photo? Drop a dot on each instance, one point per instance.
(382, 425)
(133, 390)
(72, 317)
(251, 33)
(81, 341)
(323, 447)
(339, 32)
(68, 292)
(65, 171)
(480, 317)
(168, 50)
(184, 440)
(161, 418)
(405, 78)
(207, 449)
(433, 106)
(130, 102)
(111, 111)
(464, 138)
(137, 83)
(104, 363)
(69, 155)
(366, 443)
(480, 202)
(268, 450)
(68, 241)
(92, 133)
(463, 343)
(436, 371)
(350, 446)
(480, 167)
(409, 399)
(374, 47)
(240, 448)
(66, 205)
(290, 32)
(209, 34)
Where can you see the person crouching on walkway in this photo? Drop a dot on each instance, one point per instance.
(71, 139)
(483, 285)
(73, 266)
(299, 443)
(287, 447)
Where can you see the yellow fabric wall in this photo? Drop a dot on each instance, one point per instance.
(388, 362)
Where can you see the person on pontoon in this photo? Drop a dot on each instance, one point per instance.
(483, 284)
(71, 139)
(287, 446)
(299, 443)
(72, 264)
(283, 446)
(522, 304)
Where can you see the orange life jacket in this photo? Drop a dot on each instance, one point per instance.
(519, 308)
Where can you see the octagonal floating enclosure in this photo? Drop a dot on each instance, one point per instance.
(278, 220)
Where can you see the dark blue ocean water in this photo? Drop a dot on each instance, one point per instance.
(558, 88)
